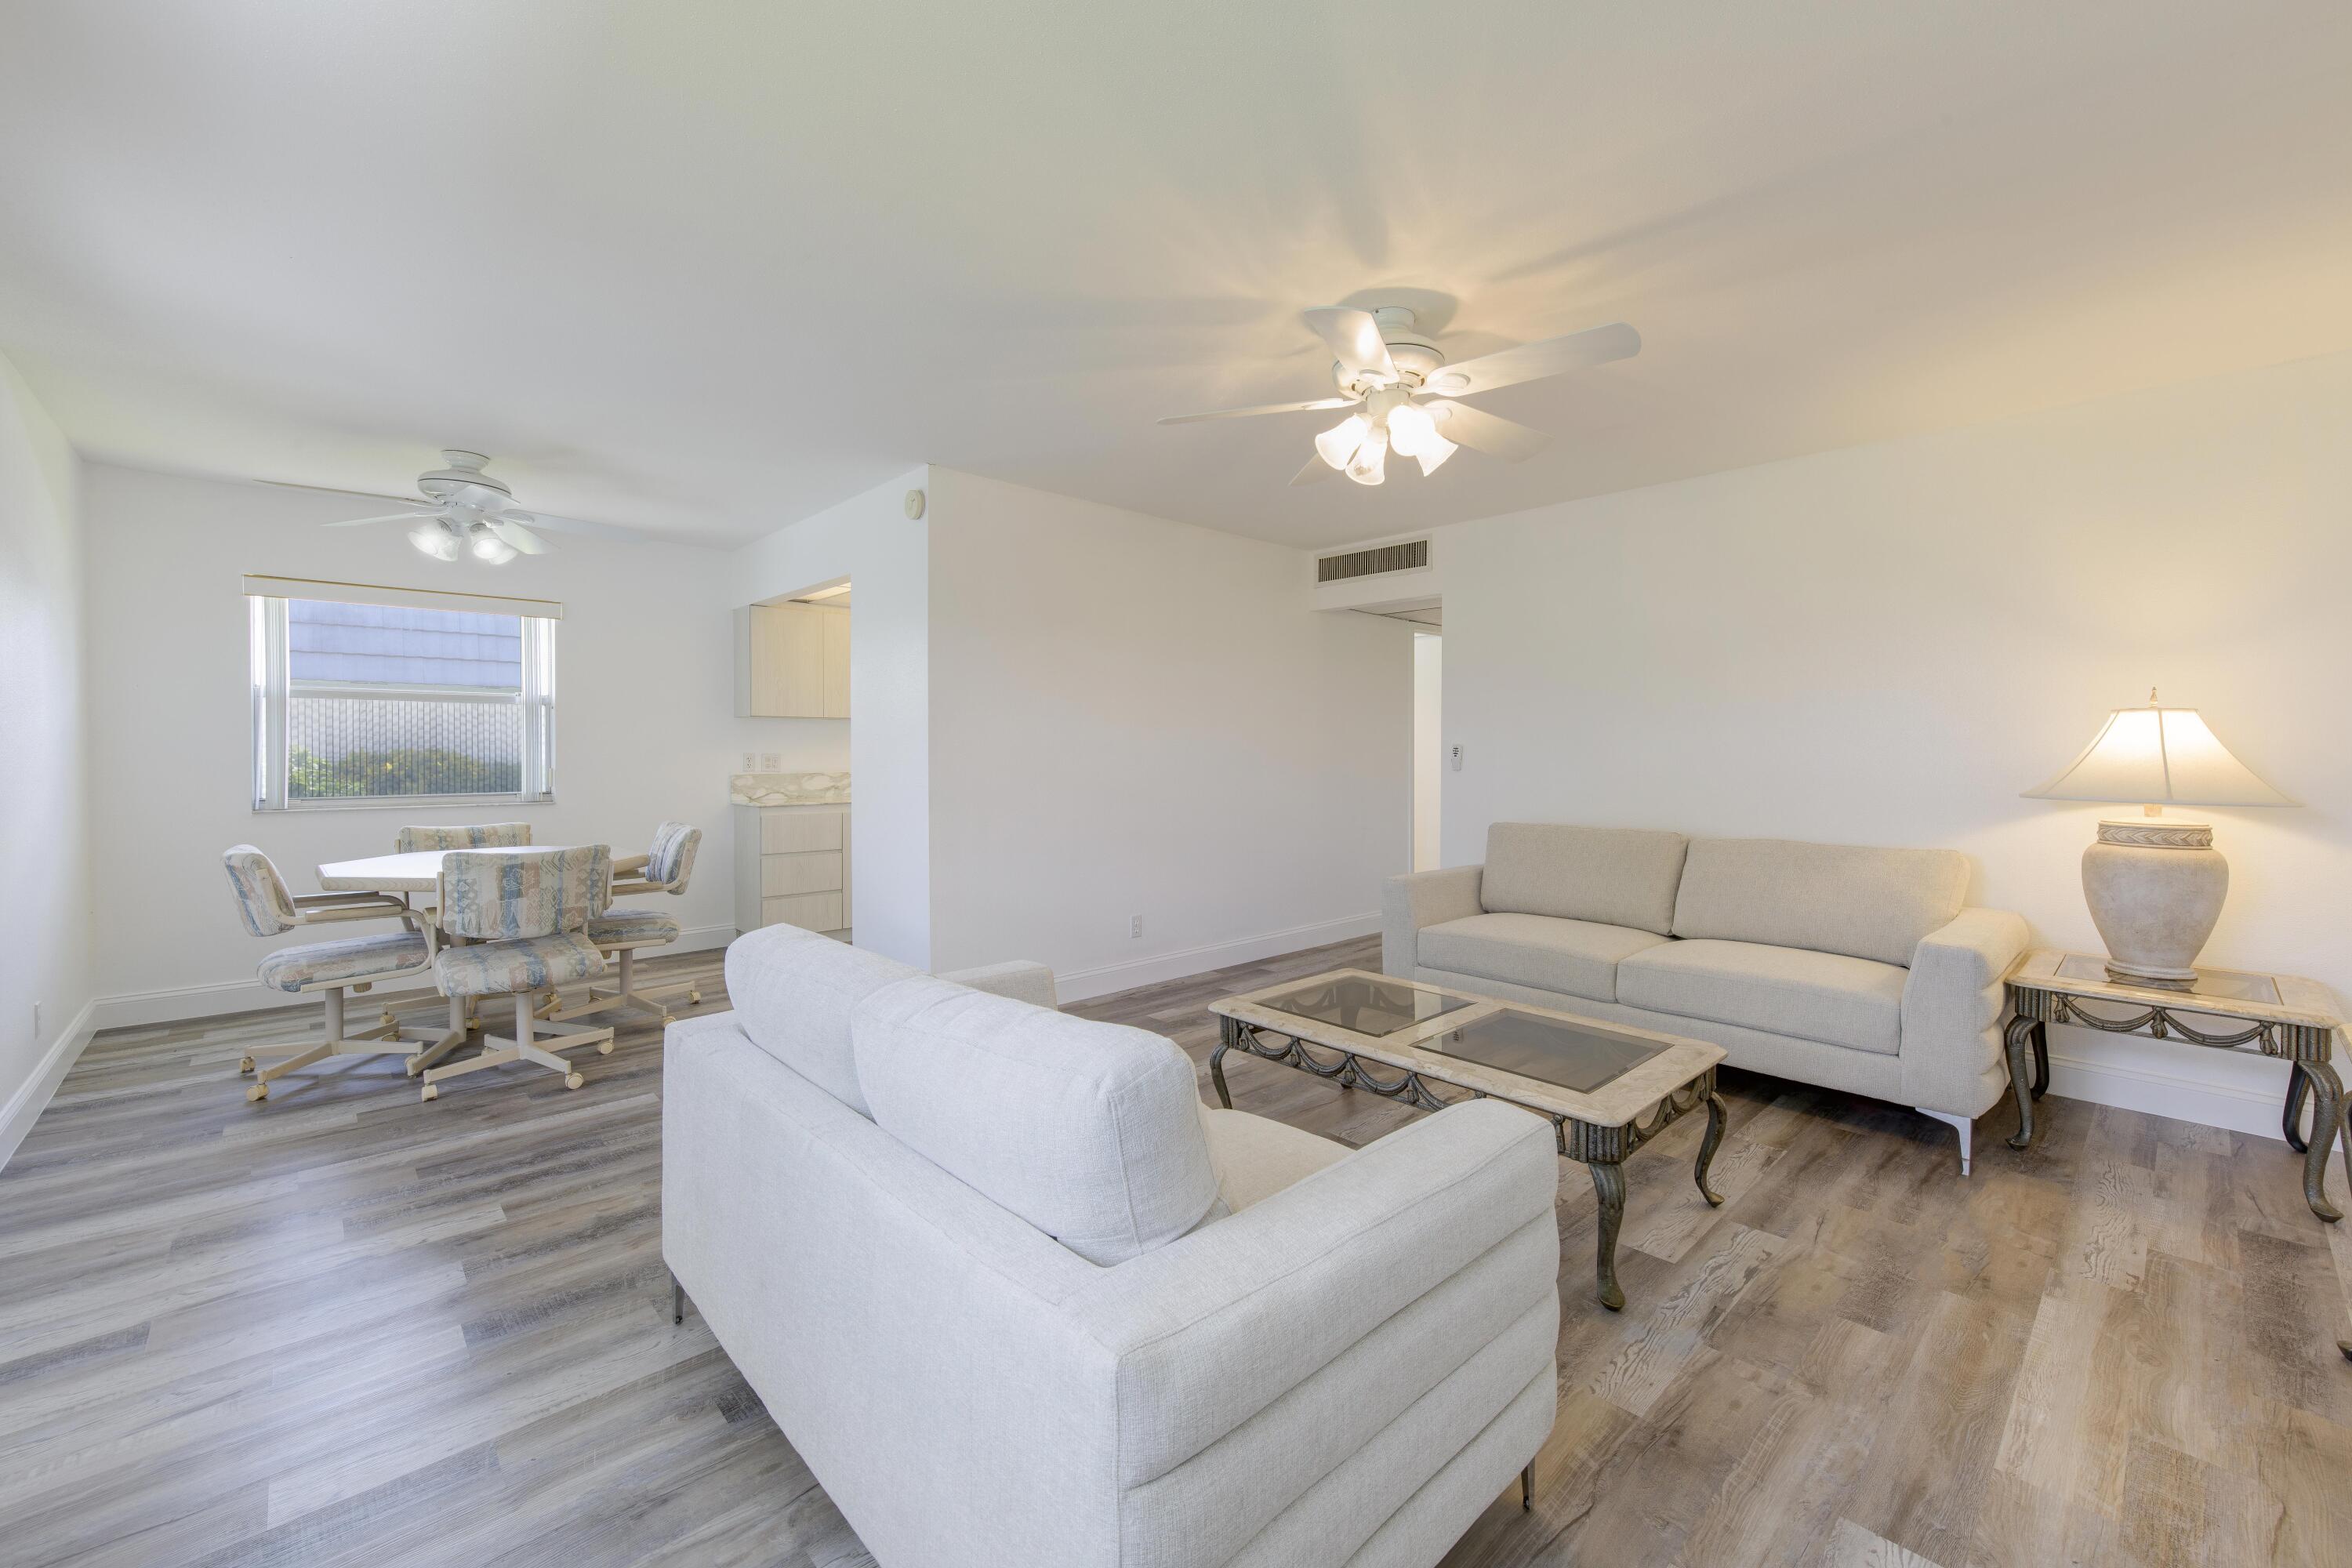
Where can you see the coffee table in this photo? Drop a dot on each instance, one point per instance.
(1606, 1089)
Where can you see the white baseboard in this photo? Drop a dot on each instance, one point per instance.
(1084, 985)
(209, 999)
(2234, 1091)
(33, 1096)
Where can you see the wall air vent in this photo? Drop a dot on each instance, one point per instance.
(1372, 562)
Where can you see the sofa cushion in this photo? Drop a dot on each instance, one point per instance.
(1089, 1131)
(792, 991)
(1827, 997)
(1852, 899)
(1255, 1157)
(1611, 876)
(1576, 957)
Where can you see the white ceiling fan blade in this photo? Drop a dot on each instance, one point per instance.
(509, 526)
(1484, 432)
(1355, 339)
(388, 517)
(1532, 362)
(1261, 408)
(1316, 468)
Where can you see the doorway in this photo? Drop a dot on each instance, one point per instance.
(1428, 746)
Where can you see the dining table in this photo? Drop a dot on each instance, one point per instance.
(418, 871)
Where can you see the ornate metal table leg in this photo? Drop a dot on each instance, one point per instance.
(1608, 1186)
(1707, 1146)
(2327, 1119)
(2297, 1086)
(1229, 1034)
(2018, 1042)
(2041, 1058)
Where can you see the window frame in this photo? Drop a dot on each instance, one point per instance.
(268, 674)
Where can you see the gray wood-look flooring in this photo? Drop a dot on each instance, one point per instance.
(347, 1327)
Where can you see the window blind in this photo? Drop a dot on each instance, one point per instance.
(261, 587)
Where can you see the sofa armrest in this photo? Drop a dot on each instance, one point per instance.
(1212, 1329)
(1021, 980)
(1421, 899)
(1952, 1004)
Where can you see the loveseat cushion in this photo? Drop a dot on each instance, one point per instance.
(1851, 1002)
(1256, 1156)
(1853, 899)
(1089, 1131)
(1576, 957)
(792, 991)
(1610, 876)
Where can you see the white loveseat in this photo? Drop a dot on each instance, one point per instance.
(1847, 966)
(1018, 1298)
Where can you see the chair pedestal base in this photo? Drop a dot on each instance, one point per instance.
(625, 996)
(499, 1050)
(382, 1041)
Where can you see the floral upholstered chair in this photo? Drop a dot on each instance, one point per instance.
(478, 835)
(522, 915)
(617, 931)
(347, 963)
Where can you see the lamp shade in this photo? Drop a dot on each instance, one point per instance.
(2159, 756)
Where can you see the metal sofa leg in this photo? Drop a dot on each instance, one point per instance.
(1960, 1124)
(676, 1300)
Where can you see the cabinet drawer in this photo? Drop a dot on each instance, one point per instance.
(784, 874)
(793, 832)
(809, 912)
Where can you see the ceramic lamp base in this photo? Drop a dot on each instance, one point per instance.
(2155, 888)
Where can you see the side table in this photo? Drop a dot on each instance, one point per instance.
(2278, 1015)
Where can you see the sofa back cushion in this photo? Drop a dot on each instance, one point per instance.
(1089, 1131)
(1852, 899)
(1614, 876)
(792, 991)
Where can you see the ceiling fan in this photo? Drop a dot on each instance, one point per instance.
(464, 508)
(1401, 389)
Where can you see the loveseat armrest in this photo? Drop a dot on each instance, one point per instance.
(1212, 1329)
(1022, 980)
(1420, 898)
(1951, 1011)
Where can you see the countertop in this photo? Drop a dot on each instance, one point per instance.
(788, 789)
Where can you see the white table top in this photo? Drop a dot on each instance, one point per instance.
(417, 872)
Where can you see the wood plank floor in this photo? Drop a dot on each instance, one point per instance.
(347, 1327)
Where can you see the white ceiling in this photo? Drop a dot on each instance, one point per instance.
(702, 268)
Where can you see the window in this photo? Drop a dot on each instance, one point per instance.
(365, 695)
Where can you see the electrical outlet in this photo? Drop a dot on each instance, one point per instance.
(1134, 925)
(750, 762)
(772, 762)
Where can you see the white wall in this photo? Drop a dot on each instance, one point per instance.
(45, 919)
(645, 729)
(1131, 716)
(869, 539)
(1884, 645)
(1428, 750)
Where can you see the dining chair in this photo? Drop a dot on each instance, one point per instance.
(331, 968)
(665, 869)
(479, 835)
(523, 919)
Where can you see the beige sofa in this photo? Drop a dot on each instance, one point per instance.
(1847, 966)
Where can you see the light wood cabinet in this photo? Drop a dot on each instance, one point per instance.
(792, 867)
(792, 661)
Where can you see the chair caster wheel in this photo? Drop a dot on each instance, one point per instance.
(244, 1063)
(573, 1081)
(606, 1049)
(668, 1018)
(432, 1091)
(258, 1093)
(693, 997)
(411, 1066)
(387, 1018)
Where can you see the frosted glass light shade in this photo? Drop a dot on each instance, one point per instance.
(2157, 756)
(1338, 444)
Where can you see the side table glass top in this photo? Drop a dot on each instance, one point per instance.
(1550, 1050)
(1362, 1004)
(2216, 984)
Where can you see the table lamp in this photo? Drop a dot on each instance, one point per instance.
(2155, 884)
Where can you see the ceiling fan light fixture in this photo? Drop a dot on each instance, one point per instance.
(1432, 452)
(1368, 465)
(1338, 444)
(1411, 429)
(490, 547)
(434, 537)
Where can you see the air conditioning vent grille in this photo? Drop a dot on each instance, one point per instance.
(1370, 563)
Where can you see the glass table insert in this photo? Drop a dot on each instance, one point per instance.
(1567, 1056)
(1362, 1006)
